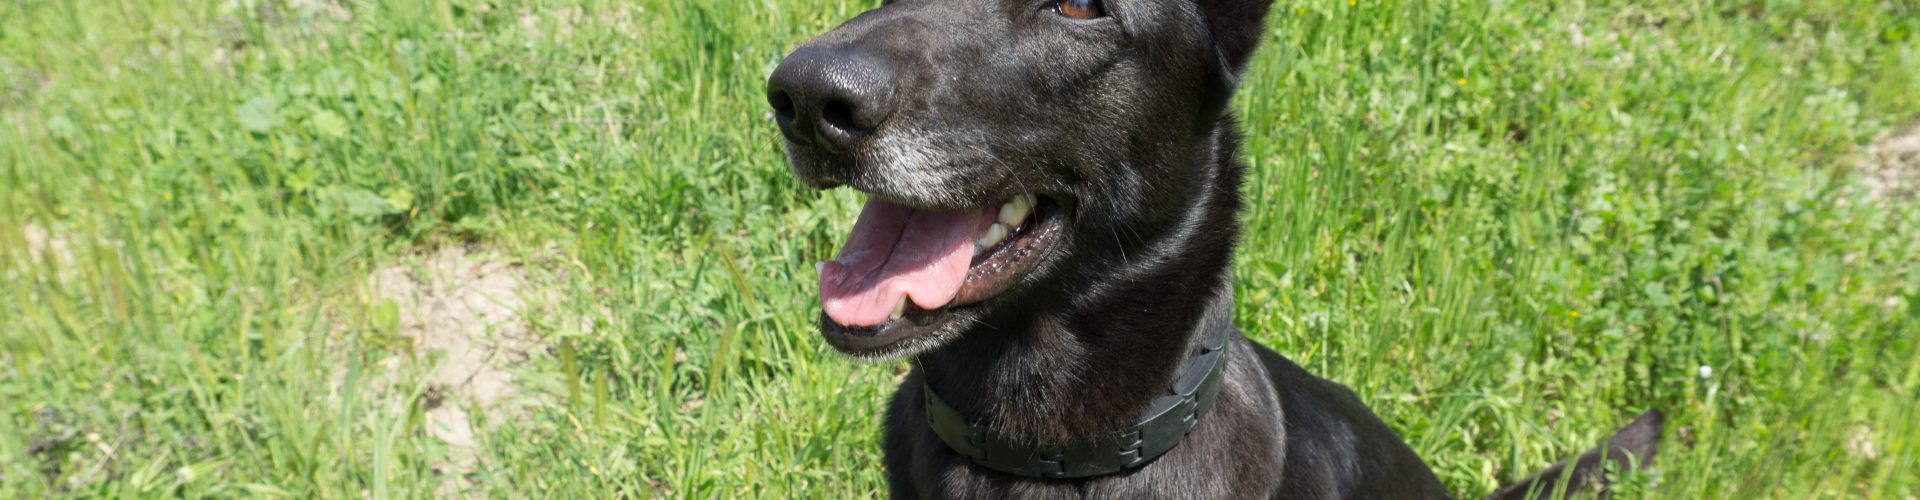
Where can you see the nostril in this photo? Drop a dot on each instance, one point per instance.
(782, 106)
(839, 115)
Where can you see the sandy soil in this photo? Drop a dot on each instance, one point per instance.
(463, 308)
(1892, 167)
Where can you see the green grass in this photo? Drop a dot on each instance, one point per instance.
(1509, 226)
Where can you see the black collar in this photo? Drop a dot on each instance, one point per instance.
(1156, 431)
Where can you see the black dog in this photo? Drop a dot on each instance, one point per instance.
(1053, 186)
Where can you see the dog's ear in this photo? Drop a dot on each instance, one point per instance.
(1237, 26)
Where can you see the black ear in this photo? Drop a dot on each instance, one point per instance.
(1237, 26)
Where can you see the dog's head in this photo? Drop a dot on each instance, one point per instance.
(1002, 144)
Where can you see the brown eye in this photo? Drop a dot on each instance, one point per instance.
(1080, 9)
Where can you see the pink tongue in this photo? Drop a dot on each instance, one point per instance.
(897, 251)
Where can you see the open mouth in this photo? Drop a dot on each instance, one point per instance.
(903, 270)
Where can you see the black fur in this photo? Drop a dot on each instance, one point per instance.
(958, 104)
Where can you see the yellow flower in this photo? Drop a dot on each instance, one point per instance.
(1463, 82)
(1573, 314)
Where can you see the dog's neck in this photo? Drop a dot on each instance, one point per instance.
(1092, 360)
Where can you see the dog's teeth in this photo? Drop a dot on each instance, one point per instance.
(992, 237)
(1016, 210)
(899, 310)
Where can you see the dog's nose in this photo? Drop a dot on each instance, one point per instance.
(833, 98)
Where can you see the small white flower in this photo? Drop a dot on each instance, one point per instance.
(1706, 371)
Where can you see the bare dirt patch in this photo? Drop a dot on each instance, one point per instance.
(42, 245)
(463, 309)
(1892, 167)
(329, 9)
(50, 255)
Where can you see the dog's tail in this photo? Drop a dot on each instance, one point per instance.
(1631, 447)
